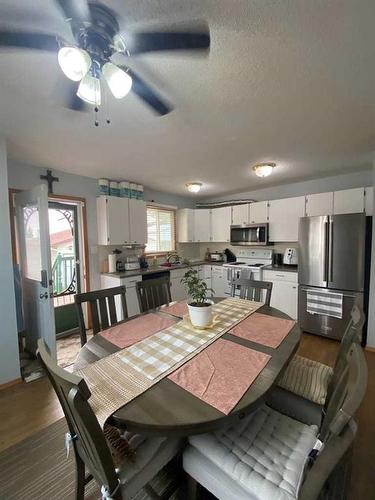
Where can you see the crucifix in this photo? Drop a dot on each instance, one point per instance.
(50, 179)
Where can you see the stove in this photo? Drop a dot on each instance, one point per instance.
(248, 267)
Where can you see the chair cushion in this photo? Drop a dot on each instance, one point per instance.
(261, 457)
(307, 378)
(151, 455)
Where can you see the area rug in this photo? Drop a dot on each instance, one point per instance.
(37, 469)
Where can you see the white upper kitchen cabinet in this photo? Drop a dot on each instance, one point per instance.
(284, 218)
(185, 225)
(240, 214)
(138, 222)
(113, 220)
(369, 200)
(319, 204)
(202, 225)
(221, 221)
(258, 212)
(349, 201)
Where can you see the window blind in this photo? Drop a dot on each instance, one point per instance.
(160, 230)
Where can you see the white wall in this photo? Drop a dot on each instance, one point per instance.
(324, 184)
(9, 357)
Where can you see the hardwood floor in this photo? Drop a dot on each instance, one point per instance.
(28, 408)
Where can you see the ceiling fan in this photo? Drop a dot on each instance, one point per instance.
(97, 38)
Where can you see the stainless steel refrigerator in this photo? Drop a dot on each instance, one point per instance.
(331, 257)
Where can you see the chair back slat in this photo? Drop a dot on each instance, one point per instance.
(101, 302)
(103, 312)
(87, 436)
(252, 290)
(153, 293)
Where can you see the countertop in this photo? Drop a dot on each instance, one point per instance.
(282, 268)
(159, 269)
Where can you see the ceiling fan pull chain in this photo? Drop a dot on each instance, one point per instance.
(96, 121)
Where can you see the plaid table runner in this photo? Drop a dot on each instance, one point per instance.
(119, 378)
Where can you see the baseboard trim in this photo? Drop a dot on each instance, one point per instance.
(10, 383)
(369, 348)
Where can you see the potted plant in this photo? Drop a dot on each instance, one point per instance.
(200, 307)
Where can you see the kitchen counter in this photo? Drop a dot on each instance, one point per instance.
(282, 268)
(159, 269)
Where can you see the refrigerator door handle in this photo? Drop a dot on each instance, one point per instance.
(330, 251)
(325, 250)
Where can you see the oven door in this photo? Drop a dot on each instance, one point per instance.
(252, 234)
(232, 274)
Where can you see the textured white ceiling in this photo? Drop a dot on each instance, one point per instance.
(289, 81)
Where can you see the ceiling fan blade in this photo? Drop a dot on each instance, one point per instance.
(25, 40)
(77, 10)
(139, 43)
(145, 92)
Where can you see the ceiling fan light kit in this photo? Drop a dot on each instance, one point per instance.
(264, 169)
(98, 37)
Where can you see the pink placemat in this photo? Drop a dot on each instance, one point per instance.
(131, 332)
(221, 374)
(263, 329)
(178, 309)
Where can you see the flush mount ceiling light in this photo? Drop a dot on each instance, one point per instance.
(194, 187)
(264, 169)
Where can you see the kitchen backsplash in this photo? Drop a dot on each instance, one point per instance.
(278, 248)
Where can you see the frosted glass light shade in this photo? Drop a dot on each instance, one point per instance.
(194, 187)
(118, 80)
(89, 90)
(74, 62)
(264, 169)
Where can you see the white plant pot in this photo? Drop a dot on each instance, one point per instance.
(201, 317)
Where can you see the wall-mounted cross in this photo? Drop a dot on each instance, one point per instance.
(50, 179)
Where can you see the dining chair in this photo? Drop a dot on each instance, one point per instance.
(92, 452)
(252, 290)
(270, 455)
(306, 386)
(101, 303)
(154, 293)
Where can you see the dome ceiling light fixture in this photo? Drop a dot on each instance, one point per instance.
(194, 187)
(87, 59)
(264, 169)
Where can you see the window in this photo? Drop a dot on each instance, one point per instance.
(160, 230)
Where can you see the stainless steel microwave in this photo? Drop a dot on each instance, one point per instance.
(249, 234)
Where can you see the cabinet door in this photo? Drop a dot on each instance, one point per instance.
(258, 212)
(177, 289)
(138, 221)
(240, 214)
(185, 225)
(221, 220)
(319, 204)
(217, 280)
(349, 201)
(202, 225)
(284, 218)
(284, 297)
(369, 200)
(118, 231)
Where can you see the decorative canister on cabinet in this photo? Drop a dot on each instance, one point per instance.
(103, 187)
(114, 188)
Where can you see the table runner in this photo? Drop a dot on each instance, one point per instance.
(221, 374)
(114, 383)
(177, 309)
(132, 331)
(264, 329)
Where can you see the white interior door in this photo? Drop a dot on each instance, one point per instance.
(35, 259)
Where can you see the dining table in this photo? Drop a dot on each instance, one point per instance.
(166, 409)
